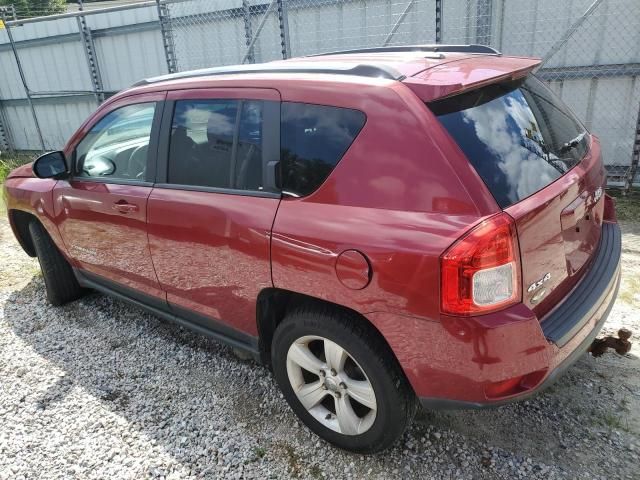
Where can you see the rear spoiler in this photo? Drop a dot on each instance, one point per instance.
(458, 76)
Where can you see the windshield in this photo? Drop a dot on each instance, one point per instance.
(519, 136)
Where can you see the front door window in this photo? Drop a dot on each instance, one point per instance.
(116, 148)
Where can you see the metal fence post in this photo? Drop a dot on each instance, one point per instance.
(164, 18)
(283, 20)
(263, 20)
(4, 138)
(90, 52)
(497, 42)
(24, 80)
(396, 25)
(635, 158)
(439, 21)
(484, 13)
(246, 15)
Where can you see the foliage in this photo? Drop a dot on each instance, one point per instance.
(36, 8)
(10, 161)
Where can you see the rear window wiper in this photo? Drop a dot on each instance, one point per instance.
(571, 144)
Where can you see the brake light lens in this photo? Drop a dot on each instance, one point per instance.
(480, 272)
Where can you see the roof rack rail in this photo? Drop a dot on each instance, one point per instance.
(437, 48)
(361, 70)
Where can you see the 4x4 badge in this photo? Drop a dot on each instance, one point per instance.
(539, 283)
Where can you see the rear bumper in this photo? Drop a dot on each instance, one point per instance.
(565, 321)
(460, 357)
(581, 349)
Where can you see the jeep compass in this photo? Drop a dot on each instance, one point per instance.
(382, 228)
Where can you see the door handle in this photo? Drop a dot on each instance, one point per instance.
(123, 206)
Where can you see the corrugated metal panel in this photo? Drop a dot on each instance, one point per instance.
(55, 67)
(123, 17)
(614, 106)
(21, 127)
(209, 43)
(268, 46)
(121, 65)
(212, 32)
(457, 22)
(610, 35)
(604, 105)
(343, 25)
(10, 84)
(30, 31)
(57, 120)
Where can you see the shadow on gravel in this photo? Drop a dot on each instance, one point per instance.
(172, 384)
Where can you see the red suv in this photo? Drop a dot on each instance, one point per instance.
(380, 227)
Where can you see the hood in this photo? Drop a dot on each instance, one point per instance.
(24, 171)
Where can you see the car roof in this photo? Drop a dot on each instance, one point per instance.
(382, 62)
(432, 71)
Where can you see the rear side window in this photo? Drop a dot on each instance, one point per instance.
(519, 136)
(313, 139)
(217, 143)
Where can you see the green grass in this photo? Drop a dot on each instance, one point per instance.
(260, 452)
(627, 206)
(9, 161)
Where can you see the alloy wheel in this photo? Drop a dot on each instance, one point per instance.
(331, 385)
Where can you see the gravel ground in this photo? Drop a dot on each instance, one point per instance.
(99, 389)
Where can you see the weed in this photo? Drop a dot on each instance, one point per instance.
(315, 471)
(611, 420)
(627, 206)
(260, 452)
(295, 468)
(10, 161)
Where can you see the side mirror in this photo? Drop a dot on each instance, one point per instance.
(51, 165)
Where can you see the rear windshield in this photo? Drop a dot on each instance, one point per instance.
(519, 136)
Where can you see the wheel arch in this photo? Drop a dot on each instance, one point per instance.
(20, 221)
(274, 304)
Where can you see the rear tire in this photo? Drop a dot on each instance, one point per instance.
(60, 282)
(354, 392)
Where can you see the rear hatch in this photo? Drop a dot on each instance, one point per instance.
(543, 169)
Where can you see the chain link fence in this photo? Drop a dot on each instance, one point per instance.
(590, 51)
(222, 32)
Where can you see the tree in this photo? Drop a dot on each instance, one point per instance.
(35, 8)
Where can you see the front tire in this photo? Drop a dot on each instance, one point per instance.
(341, 379)
(60, 282)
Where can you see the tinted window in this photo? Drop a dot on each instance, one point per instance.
(313, 139)
(201, 145)
(519, 136)
(116, 147)
(248, 171)
(207, 150)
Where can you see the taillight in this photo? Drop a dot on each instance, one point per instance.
(480, 273)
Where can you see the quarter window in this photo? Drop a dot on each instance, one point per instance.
(217, 143)
(118, 145)
(313, 140)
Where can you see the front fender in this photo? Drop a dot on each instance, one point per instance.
(32, 196)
